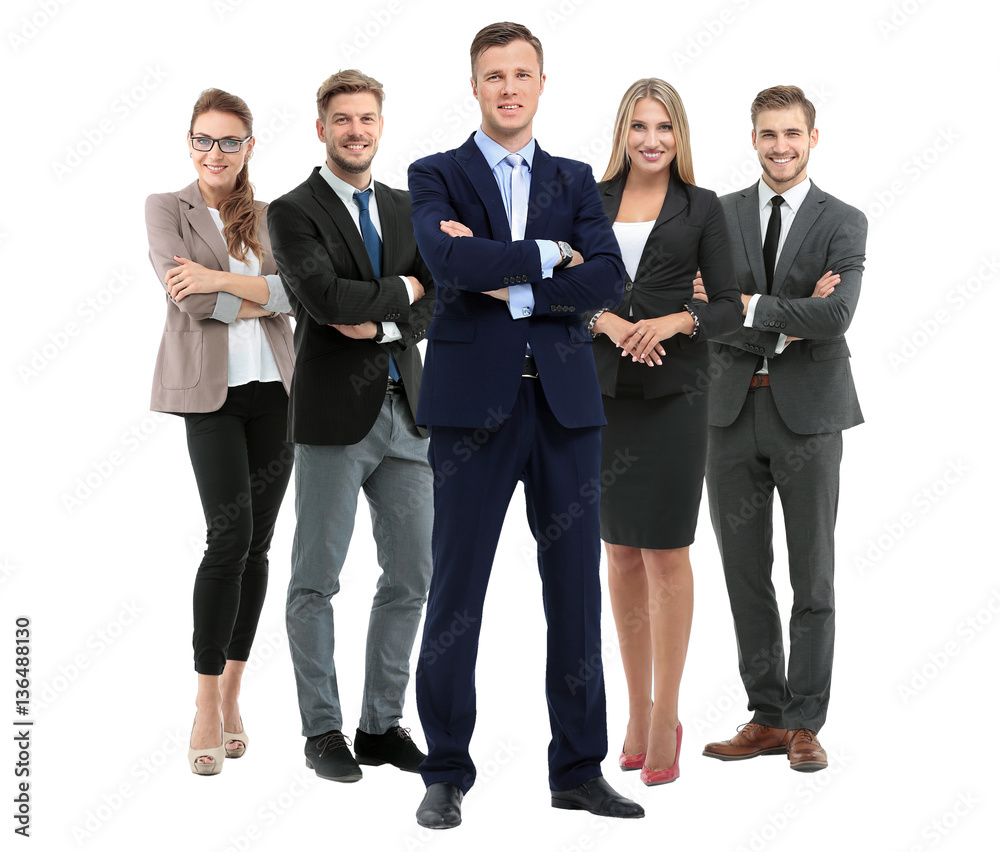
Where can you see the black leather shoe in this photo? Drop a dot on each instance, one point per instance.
(441, 806)
(394, 746)
(329, 755)
(598, 797)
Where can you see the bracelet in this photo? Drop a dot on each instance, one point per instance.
(697, 322)
(272, 315)
(593, 319)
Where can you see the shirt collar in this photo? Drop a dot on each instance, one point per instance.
(494, 152)
(345, 192)
(792, 197)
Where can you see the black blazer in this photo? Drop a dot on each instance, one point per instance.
(689, 234)
(338, 390)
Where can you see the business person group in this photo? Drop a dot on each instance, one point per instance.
(570, 327)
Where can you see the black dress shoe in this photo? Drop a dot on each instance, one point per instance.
(394, 746)
(441, 807)
(329, 755)
(598, 797)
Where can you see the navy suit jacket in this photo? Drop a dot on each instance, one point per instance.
(475, 349)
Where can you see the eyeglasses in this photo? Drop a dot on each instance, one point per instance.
(227, 146)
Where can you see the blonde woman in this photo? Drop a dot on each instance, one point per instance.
(652, 362)
(225, 364)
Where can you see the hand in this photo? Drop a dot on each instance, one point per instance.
(643, 343)
(824, 287)
(746, 302)
(191, 277)
(576, 261)
(503, 294)
(699, 288)
(363, 331)
(455, 229)
(417, 287)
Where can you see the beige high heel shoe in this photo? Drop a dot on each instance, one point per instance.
(240, 737)
(217, 754)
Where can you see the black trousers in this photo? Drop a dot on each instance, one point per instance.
(242, 465)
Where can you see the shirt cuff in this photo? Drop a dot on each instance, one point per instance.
(549, 255)
(227, 307)
(751, 307)
(782, 342)
(390, 332)
(409, 289)
(277, 299)
(522, 300)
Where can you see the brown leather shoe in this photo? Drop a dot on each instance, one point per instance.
(751, 740)
(804, 751)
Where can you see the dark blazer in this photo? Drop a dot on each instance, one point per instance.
(192, 366)
(475, 349)
(811, 380)
(340, 385)
(689, 234)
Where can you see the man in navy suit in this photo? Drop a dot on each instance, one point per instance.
(510, 393)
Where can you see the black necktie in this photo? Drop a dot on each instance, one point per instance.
(771, 239)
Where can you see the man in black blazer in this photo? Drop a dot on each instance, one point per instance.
(782, 395)
(362, 299)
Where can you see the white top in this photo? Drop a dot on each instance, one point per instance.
(632, 238)
(250, 357)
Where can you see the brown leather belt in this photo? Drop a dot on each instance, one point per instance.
(393, 387)
(760, 381)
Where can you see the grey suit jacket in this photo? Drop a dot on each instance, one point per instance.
(192, 366)
(811, 379)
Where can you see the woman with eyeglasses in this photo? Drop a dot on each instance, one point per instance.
(652, 363)
(225, 365)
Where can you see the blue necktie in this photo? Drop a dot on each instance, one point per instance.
(373, 245)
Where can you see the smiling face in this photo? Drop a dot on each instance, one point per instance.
(783, 140)
(351, 131)
(507, 84)
(217, 172)
(650, 140)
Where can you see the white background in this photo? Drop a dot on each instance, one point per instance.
(96, 101)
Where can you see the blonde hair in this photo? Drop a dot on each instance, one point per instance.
(240, 216)
(347, 82)
(783, 97)
(660, 90)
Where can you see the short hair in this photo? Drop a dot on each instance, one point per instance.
(347, 82)
(499, 34)
(659, 90)
(783, 97)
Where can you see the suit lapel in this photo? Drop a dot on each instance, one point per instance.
(473, 163)
(334, 208)
(748, 210)
(203, 224)
(811, 209)
(543, 176)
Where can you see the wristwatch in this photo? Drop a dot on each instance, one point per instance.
(566, 253)
(379, 332)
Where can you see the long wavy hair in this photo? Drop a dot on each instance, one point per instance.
(660, 90)
(240, 217)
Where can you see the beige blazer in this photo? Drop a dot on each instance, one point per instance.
(192, 367)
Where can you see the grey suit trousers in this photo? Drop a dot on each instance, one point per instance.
(747, 461)
(390, 465)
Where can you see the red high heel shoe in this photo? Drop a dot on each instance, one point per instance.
(629, 762)
(652, 777)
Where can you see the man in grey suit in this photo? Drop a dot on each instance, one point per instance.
(781, 396)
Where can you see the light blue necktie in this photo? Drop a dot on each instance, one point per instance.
(373, 245)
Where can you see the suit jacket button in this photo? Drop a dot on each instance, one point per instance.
(572, 309)
(628, 285)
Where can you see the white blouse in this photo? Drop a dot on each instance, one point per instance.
(632, 238)
(250, 357)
